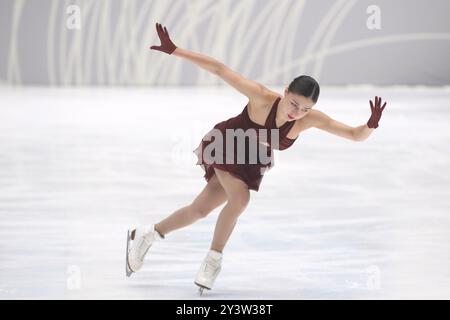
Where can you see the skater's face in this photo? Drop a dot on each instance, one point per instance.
(294, 107)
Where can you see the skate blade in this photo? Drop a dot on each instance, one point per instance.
(201, 288)
(128, 270)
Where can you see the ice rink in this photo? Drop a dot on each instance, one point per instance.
(334, 219)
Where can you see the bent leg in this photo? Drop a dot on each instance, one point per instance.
(238, 196)
(210, 198)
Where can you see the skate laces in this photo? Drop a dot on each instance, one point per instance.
(144, 245)
(211, 267)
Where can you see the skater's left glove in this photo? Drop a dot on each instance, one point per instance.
(376, 112)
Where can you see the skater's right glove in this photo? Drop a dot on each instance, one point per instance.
(167, 45)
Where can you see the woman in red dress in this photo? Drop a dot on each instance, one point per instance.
(266, 115)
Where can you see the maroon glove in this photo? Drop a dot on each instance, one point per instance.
(376, 113)
(167, 45)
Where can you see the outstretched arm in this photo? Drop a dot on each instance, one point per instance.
(249, 88)
(360, 133)
(208, 63)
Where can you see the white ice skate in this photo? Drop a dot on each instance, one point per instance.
(143, 238)
(209, 270)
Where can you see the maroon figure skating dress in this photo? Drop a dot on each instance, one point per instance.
(249, 172)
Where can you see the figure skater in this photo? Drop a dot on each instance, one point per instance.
(289, 115)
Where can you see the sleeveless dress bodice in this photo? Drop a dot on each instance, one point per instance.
(267, 136)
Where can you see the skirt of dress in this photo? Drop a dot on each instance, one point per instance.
(250, 173)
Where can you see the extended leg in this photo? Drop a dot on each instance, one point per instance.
(212, 196)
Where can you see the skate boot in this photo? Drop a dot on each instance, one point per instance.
(209, 270)
(143, 238)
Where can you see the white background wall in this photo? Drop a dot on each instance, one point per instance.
(103, 42)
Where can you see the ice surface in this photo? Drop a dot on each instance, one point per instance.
(334, 219)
